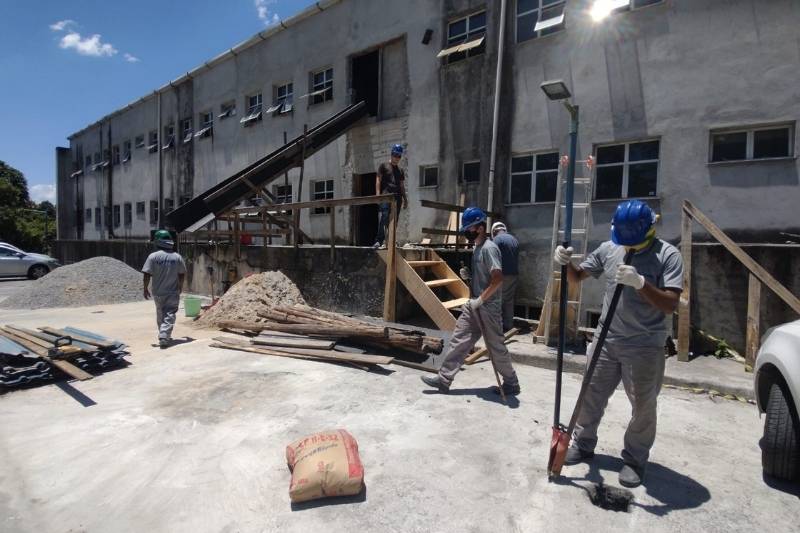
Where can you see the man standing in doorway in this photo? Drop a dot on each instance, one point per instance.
(634, 348)
(390, 180)
(481, 315)
(167, 269)
(509, 249)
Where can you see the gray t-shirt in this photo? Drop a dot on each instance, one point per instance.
(509, 249)
(636, 321)
(486, 258)
(164, 267)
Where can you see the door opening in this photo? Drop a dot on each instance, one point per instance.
(367, 215)
(366, 81)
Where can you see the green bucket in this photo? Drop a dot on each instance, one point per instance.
(192, 306)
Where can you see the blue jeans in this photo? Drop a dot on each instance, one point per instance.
(383, 223)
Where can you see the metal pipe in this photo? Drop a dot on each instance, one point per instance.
(160, 167)
(496, 117)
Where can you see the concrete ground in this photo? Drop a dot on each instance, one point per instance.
(193, 438)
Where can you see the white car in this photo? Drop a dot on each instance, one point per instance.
(777, 388)
(15, 262)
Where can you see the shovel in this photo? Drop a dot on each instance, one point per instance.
(562, 435)
(491, 355)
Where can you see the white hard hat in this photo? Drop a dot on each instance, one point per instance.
(497, 226)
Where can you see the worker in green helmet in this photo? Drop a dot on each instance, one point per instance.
(166, 268)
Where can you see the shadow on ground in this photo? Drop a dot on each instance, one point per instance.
(326, 502)
(485, 394)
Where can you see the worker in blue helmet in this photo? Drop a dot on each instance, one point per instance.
(634, 349)
(482, 313)
(390, 179)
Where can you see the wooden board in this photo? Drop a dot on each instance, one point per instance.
(77, 337)
(281, 334)
(753, 336)
(31, 336)
(685, 302)
(318, 344)
(305, 353)
(390, 288)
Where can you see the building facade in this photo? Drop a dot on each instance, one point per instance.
(679, 99)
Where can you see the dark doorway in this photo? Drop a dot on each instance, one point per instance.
(366, 222)
(366, 81)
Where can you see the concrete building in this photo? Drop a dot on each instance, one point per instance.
(680, 99)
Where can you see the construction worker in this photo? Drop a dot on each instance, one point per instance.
(634, 348)
(390, 180)
(167, 269)
(481, 315)
(509, 249)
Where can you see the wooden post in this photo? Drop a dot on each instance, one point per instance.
(237, 235)
(753, 338)
(333, 235)
(390, 291)
(296, 214)
(684, 305)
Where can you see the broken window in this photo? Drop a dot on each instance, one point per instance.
(471, 172)
(322, 190)
(153, 212)
(756, 143)
(115, 158)
(139, 142)
(465, 37)
(429, 176)
(128, 214)
(228, 109)
(169, 135)
(140, 210)
(186, 130)
(206, 125)
(88, 216)
(627, 170)
(98, 223)
(321, 86)
(283, 100)
(126, 151)
(116, 216)
(152, 146)
(536, 18)
(254, 103)
(533, 178)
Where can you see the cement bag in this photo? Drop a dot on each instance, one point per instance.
(324, 464)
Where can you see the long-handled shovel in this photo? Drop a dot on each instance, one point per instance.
(562, 435)
(491, 355)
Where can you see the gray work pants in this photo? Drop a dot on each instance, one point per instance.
(166, 308)
(466, 334)
(509, 290)
(641, 370)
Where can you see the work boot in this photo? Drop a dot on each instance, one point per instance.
(575, 455)
(163, 343)
(376, 246)
(509, 390)
(436, 383)
(631, 476)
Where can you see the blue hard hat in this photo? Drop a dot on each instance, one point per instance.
(632, 220)
(471, 217)
(397, 150)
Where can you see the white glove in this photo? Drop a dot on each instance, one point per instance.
(563, 255)
(474, 304)
(465, 273)
(627, 275)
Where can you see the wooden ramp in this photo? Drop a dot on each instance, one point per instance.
(433, 284)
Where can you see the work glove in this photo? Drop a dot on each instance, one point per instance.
(473, 304)
(627, 275)
(563, 255)
(465, 273)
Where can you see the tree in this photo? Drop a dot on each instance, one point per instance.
(20, 224)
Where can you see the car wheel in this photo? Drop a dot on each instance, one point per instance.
(780, 449)
(37, 271)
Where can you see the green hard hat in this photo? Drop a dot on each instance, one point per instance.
(162, 235)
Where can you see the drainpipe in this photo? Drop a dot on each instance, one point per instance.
(160, 167)
(110, 169)
(501, 39)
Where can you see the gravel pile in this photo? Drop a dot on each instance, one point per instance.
(96, 281)
(252, 295)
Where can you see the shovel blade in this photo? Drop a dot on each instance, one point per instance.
(559, 444)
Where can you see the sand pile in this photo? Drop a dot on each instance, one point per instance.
(252, 295)
(95, 281)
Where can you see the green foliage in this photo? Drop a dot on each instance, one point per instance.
(20, 223)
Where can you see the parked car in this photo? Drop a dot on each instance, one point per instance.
(777, 387)
(15, 262)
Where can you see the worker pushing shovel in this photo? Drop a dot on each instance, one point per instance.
(482, 314)
(644, 281)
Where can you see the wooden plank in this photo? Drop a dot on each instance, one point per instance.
(685, 302)
(77, 337)
(31, 336)
(319, 344)
(753, 336)
(333, 202)
(320, 330)
(422, 264)
(319, 354)
(390, 289)
(416, 366)
(268, 333)
(473, 358)
(452, 304)
(452, 207)
(68, 368)
(765, 277)
(436, 231)
(440, 282)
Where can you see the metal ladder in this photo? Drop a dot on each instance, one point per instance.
(579, 241)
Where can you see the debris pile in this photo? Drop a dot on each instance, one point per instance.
(252, 295)
(95, 281)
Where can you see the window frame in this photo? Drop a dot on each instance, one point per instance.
(282, 104)
(138, 142)
(227, 109)
(254, 111)
(532, 174)
(127, 214)
(314, 195)
(152, 138)
(326, 86)
(141, 213)
(153, 212)
(115, 155)
(422, 169)
(470, 34)
(464, 174)
(187, 129)
(87, 217)
(539, 9)
(98, 220)
(626, 163)
(127, 151)
(750, 142)
(117, 215)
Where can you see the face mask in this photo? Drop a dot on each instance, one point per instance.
(471, 235)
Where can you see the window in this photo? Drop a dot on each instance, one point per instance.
(604, 7)
(283, 194)
(97, 222)
(253, 109)
(169, 205)
(126, 151)
(228, 109)
(152, 146)
(88, 162)
(186, 130)
(283, 98)
(627, 170)
(88, 216)
(536, 18)
(116, 216)
(534, 178)
(321, 86)
(322, 190)
(115, 159)
(139, 142)
(429, 176)
(153, 212)
(769, 142)
(465, 37)
(139, 210)
(206, 125)
(128, 214)
(471, 172)
(169, 136)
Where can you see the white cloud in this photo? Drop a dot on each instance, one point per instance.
(87, 46)
(42, 192)
(131, 58)
(61, 25)
(265, 13)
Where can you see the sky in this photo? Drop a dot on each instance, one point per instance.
(66, 63)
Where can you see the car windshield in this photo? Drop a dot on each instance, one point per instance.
(10, 247)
